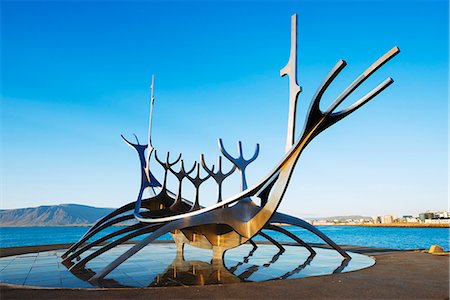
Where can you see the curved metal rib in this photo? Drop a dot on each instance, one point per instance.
(117, 212)
(137, 247)
(102, 239)
(270, 239)
(96, 230)
(144, 230)
(292, 236)
(286, 219)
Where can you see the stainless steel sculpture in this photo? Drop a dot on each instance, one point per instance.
(230, 222)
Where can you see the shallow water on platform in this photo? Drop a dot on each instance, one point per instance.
(159, 265)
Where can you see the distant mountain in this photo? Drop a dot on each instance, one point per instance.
(53, 215)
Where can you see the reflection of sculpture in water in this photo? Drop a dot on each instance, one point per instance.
(196, 272)
(236, 220)
(85, 274)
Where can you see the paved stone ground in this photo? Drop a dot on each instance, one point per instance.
(396, 275)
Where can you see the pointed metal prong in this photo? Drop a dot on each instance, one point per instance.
(338, 67)
(175, 162)
(157, 158)
(361, 78)
(205, 167)
(240, 149)
(255, 154)
(369, 96)
(224, 152)
(137, 140)
(192, 169)
(126, 141)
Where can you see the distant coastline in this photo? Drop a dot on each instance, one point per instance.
(404, 225)
(76, 215)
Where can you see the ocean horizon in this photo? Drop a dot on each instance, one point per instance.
(381, 237)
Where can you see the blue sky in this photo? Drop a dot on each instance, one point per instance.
(76, 75)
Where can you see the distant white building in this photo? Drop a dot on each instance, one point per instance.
(322, 222)
(388, 219)
(439, 215)
(411, 220)
(408, 219)
(437, 221)
(442, 215)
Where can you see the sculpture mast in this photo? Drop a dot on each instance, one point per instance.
(150, 146)
(294, 89)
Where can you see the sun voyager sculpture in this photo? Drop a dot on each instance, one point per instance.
(233, 221)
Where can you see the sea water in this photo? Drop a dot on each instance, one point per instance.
(382, 237)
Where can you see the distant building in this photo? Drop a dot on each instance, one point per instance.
(426, 215)
(437, 221)
(442, 215)
(322, 222)
(388, 219)
(439, 215)
(408, 219)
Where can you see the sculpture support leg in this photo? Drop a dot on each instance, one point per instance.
(286, 219)
(278, 245)
(100, 240)
(292, 236)
(144, 230)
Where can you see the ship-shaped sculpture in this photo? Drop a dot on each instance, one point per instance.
(233, 221)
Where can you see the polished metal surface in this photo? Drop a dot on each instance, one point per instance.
(230, 222)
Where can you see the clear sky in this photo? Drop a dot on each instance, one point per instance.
(76, 75)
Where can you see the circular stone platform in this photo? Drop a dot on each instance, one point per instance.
(159, 265)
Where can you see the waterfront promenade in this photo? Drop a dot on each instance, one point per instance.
(396, 275)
